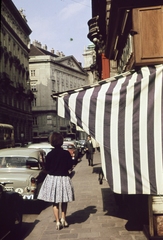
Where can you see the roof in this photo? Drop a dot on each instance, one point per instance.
(40, 145)
(10, 5)
(6, 125)
(36, 51)
(26, 152)
(68, 142)
(71, 57)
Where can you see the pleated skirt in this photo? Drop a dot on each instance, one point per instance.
(56, 189)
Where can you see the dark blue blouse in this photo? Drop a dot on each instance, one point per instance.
(58, 162)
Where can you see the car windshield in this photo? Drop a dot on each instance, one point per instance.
(82, 142)
(13, 162)
(70, 147)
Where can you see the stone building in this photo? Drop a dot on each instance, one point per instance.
(126, 40)
(50, 73)
(89, 65)
(15, 94)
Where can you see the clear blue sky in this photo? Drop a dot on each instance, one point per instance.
(60, 24)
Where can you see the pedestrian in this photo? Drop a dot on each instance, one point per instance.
(57, 186)
(89, 150)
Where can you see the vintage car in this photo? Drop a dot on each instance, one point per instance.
(45, 146)
(71, 147)
(21, 167)
(11, 205)
(81, 144)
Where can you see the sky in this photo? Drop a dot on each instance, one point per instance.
(59, 24)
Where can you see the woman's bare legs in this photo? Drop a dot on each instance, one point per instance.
(63, 216)
(56, 214)
(56, 211)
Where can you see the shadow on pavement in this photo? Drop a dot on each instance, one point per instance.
(96, 169)
(133, 208)
(81, 215)
(28, 228)
(34, 206)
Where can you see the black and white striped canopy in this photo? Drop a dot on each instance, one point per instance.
(125, 116)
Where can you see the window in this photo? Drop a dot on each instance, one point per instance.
(32, 73)
(53, 72)
(75, 82)
(33, 86)
(35, 134)
(53, 85)
(34, 120)
(34, 102)
(71, 86)
(58, 88)
(58, 75)
(49, 119)
(66, 83)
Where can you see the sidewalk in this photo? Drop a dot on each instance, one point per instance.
(93, 214)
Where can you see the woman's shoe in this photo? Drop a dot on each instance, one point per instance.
(58, 225)
(64, 223)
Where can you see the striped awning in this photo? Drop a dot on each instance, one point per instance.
(125, 116)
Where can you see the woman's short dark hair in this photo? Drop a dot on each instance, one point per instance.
(56, 139)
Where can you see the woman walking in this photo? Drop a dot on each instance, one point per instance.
(57, 187)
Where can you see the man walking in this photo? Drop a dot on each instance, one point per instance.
(89, 150)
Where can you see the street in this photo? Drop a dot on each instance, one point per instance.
(30, 212)
(96, 212)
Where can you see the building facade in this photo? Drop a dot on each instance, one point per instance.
(126, 41)
(89, 66)
(15, 94)
(50, 73)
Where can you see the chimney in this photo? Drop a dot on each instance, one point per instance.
(52, 50)
(44, 47)
(58, 53)
(62, 54)
(37, 44)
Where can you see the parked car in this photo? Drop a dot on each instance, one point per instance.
(45, 146)
(70, 146)
(21, 166)
(11, 205)
(81, 142)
